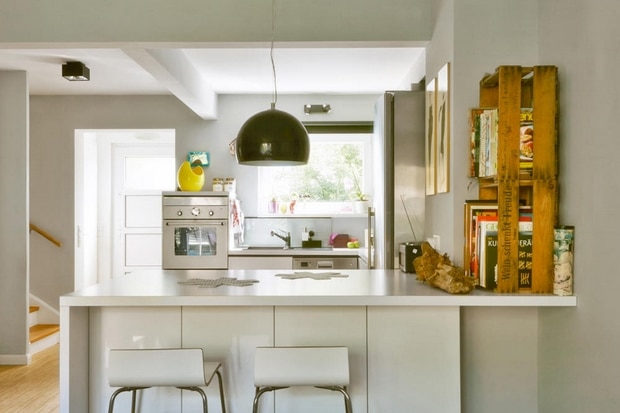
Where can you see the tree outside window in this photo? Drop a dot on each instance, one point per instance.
(335, 176)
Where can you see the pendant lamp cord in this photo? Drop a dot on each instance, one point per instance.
(273, 65)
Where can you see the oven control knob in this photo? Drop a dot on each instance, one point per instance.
(195, 211)
(179, 213)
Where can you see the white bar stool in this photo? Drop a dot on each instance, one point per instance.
(183, 368)
(281, 367)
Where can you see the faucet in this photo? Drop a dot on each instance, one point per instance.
(286, 238)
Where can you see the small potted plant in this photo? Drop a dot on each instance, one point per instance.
(360, 203)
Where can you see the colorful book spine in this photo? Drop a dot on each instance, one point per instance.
(488, 254)
(525, 254)
(526, 141)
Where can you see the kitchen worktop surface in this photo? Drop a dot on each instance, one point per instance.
(280, 287)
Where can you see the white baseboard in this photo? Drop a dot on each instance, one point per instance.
(15, 359)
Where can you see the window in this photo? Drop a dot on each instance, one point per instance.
(337, 173)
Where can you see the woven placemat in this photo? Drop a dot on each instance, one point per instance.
(212, 283)
(314, 275)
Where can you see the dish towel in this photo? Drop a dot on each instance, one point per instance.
(236, 221)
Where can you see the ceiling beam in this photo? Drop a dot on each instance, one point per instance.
(173, 70)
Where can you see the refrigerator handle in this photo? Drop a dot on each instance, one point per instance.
(370, 238)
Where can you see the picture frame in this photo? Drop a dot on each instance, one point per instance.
(442, 175)
(198, 156)
(431, 137)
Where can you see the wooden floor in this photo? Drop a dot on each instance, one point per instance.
(32, 388)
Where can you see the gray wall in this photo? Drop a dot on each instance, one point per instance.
(500, 345)
(13, 215)
(542, 360)
(579, 355)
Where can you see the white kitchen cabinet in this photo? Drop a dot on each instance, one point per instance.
(260, 263)
(324, 326)
(414, 359)
(229, 335)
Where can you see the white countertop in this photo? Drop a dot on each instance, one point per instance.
(358, 288)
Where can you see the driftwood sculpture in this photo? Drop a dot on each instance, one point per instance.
(438, 271)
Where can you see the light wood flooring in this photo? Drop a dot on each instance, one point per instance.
(32, 388)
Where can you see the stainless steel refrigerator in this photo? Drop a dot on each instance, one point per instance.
(398, 175)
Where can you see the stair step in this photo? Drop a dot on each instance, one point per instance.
(34, 308)
(40, 331)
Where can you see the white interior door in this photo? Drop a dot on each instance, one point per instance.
(139, 175)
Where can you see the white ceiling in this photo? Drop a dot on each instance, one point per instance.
(224, 70)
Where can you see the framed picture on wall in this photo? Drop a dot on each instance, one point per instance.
(431, 137)
(198, 157)
(443, 130)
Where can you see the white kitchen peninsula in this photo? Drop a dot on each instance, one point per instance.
(403, 336)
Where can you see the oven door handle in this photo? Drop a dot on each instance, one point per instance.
(196, 223)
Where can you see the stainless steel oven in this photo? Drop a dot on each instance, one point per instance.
(195, 230)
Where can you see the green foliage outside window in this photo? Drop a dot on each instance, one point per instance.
(334, 173)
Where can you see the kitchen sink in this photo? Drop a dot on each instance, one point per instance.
(259, 247)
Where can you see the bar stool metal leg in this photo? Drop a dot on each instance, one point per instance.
(133, 391)
(345, 393)
(198, 390)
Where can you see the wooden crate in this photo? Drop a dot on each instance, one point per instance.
(509, 89)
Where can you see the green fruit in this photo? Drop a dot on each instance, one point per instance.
(350, 244)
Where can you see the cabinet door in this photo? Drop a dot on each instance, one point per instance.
(229, 335)
(260, 263)
(413, 359)
(323, 326)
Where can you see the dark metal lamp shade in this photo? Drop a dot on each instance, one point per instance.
(272, 138)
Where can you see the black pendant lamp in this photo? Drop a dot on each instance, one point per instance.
(272, 137)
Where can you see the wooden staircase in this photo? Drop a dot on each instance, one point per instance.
(42, 336)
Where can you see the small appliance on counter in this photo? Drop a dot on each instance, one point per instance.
(339, 240)
(407, 252)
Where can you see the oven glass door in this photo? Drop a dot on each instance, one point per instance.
(196, 244)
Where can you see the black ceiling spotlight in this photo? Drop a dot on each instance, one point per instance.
(272, 137)
(75, 71)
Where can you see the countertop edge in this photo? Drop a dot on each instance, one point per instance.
(346, 301)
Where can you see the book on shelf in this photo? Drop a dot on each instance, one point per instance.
(483, 127)
(478, 253)
(487, 243)
(484, 253)
(475, 211)
(472, 208)
(525, 254)
(474, 143)
(483, 124)
(526, 141)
